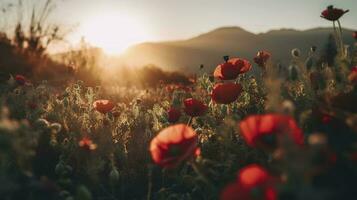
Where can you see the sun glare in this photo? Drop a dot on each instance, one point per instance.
(114, 33)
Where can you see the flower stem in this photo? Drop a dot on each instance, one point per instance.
(149, 183)
(338, 44)
(189, 121)
(341, 39)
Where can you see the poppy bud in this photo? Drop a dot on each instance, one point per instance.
(293, 72)
(295, 53)
(60, 168)
(313, 49)
(83, 193)
(42, 124)
(114, 175)
(21, 80)
(56, 127)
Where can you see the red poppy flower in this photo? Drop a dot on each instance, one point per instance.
(194, 107)
(262, 129)
(21, 80)
(87, 144)
(333, 14)
(174, 115)
(103, 106)
(353, 75)
(173, 145)
(231, 69)
(226, 93)
(354, 35)
(261, 58)
(326, 118)
(254, 182)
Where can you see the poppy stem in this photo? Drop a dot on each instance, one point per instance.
(149, 183)
(341, 39)
(201, 175)
(338, 44)
(189, 121)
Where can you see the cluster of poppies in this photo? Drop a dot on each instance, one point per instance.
(192, 108)
(225, 91)
(228, 92)
(178, 143)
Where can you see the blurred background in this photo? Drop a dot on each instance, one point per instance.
(137, 43)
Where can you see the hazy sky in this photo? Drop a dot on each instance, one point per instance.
(152, 20)
(172, 19)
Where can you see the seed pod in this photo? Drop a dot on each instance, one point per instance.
(83, 193)
(56, 127)
(114, 175)
(313, 49)
(293, 72)
(42, 124)
(295, 53)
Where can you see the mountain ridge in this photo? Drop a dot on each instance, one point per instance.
(208, 48)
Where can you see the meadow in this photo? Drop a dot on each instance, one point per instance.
(278, 133)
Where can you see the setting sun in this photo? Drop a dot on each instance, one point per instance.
(114, 32)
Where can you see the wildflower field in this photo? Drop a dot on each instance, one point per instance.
(229, 134)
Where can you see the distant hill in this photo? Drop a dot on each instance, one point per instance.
(208, 48)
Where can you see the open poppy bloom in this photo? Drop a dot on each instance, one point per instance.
(21, 80)
(254, 182)
(103, 106)
(173, 145)
(231, 69)
(333, 14)
(226, 93)
(174, 115)
(87, 144)
(194, 107)
(261, 58)
(264, 130)
(353, 75)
